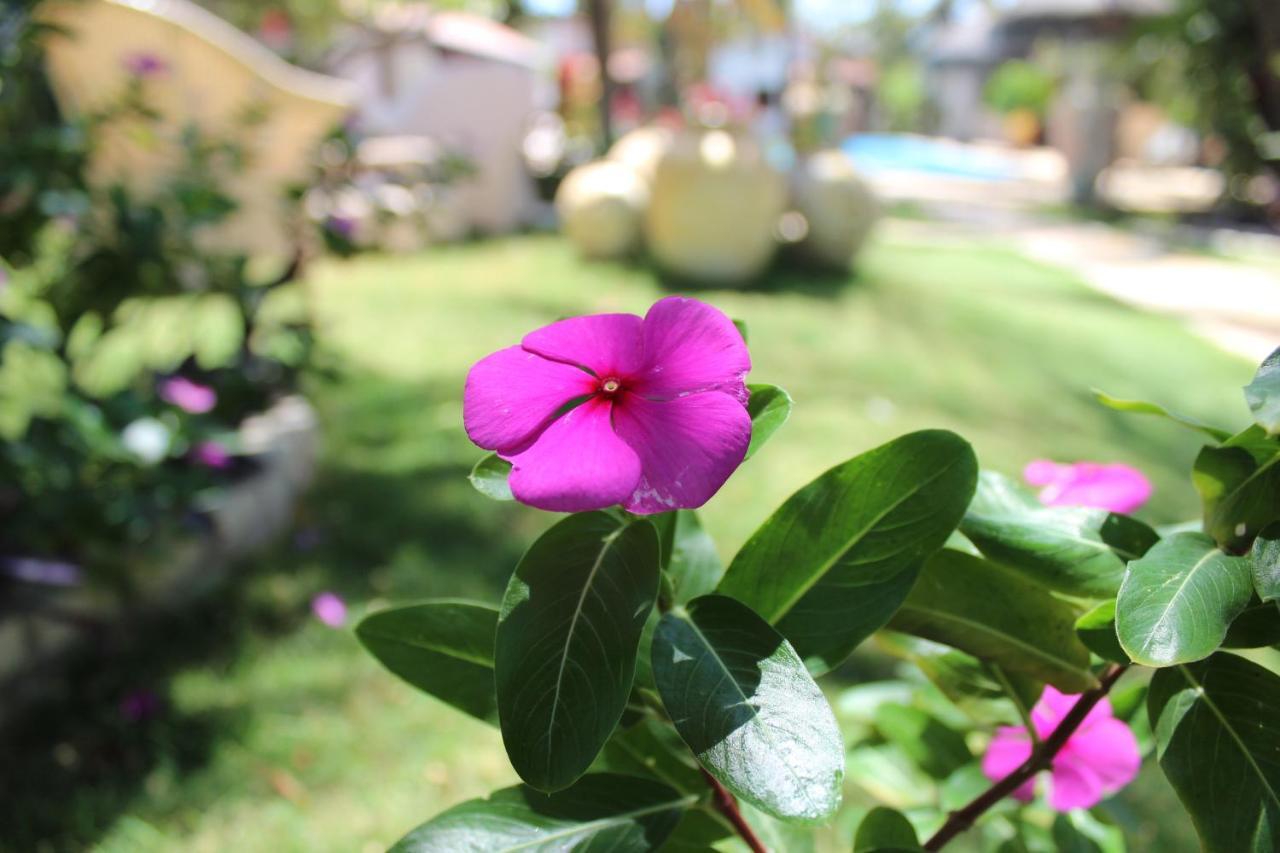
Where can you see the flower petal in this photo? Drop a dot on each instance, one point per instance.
(690, 346)
(607, 344)
(1109, 749)
(1008, 750)
(1073, 786)
(1054, 705)
(1116, 488)
(687, 447)
(512, 395)
(577, 464)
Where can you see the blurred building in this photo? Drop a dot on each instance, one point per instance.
(468, 83)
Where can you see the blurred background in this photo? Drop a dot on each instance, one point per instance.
(249, 249)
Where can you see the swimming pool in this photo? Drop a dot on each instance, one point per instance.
(885, 152)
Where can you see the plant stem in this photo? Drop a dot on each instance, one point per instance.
(1041, 759)
(728, 806)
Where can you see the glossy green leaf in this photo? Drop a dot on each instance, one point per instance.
(1097, 630)
(1176, 602)
(1265, 560)
(443, 647)
(1263, 394)
(698, 831)
(934, 747)
(769, 407)
(882, 828)
(1218, 741)
(603, 811)
(835, 561)
(1239, 486)
(489, 477)
(567, 639)
(689, 555)
(742, 700)
(999, 616)
(1258, 625)
(1075, 550)
(653, 750)
(982, 688)
(1142, 407)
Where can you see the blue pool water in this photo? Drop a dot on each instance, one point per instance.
(881, 152)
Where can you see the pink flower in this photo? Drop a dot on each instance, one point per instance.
(1099, 758)
(211, 454)
(329, 609)
(187, 395)
(144, 65)
(608, 409)
(1118, 488)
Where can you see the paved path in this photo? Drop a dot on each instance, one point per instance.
(1235, 304)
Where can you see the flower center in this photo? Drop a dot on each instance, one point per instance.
(610, 386)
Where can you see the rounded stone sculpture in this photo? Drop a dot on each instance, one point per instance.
(714, 207)
(838, 207)
(642, 148)
(601, 205)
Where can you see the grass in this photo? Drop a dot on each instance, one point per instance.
(281, 735)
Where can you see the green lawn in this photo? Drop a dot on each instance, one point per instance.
(281, 735)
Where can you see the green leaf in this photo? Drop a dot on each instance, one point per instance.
(1074, 550)
(885, 827)
(769, 407)
(1078, 831)
(1265, 558)
(604, 811)
(1257, 625)
(1238, 485)
(1177, 601)
(697, 832)
(933, 746)
(442, 647)
(741, 326)
(742, 700)
(1263, 394)
(489, 477)
(1097, 630)
(567, 639)
(653, 750)
(1144, 408)
(998, 616)
(1218, 741)
(835, 561)
(689, 555)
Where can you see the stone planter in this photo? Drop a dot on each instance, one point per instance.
(40, 634)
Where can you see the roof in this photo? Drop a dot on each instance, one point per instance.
(1077, 10)
(460, 32)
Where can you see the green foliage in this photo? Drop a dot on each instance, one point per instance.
(689, 558)
(444, 648)
(1177, 602)
(769, 407)
(567, 640)
(602, 811)
(839, 557)
(742, 700)
(976, 606)
(1263, 394)
(884, 828)
(1019, 85)
(1073, 550)
(1218, 741)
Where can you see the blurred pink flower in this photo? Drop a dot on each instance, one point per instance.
(144, 65)
(140, 705)
(211, 454)
(329, 609)
(1099, 758)
(611, 408)
(187, 395)
(1118, 488)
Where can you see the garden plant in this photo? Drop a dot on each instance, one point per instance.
(651, 698)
